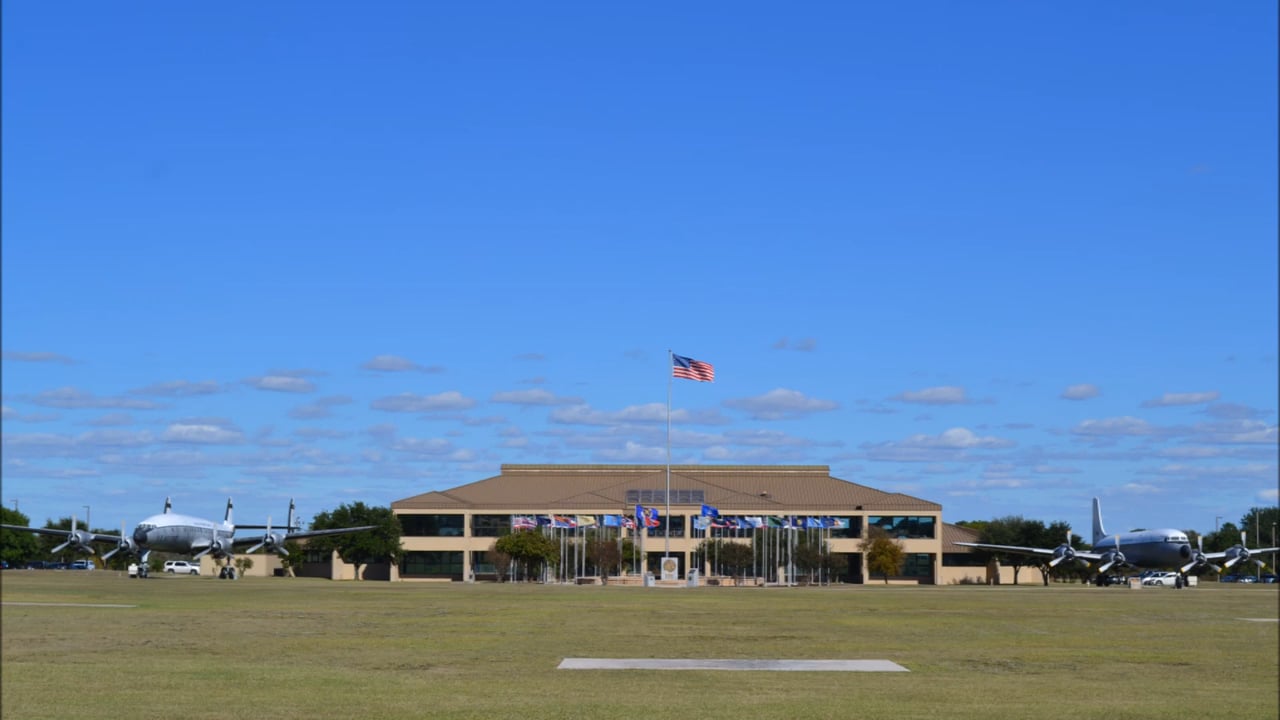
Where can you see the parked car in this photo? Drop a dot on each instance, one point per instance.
(1229, 578)
(181, 567)
(1247, 579)
(81, 565)
(1268, 577)
(1165, 579)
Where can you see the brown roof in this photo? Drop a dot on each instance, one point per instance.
(954, 534)
(733, 489)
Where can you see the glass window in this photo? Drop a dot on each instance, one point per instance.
(444, 564)
(677, 527)
(918, 565)
(490, 525)
(659, 497)
(432, 525)
(904, 526)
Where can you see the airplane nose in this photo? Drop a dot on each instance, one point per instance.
(1185, 552)
(140, 536)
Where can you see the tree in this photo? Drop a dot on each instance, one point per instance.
(884, 554)
(242, 563)
(501, 562)
(1019, 531)
(17, 547)
(604, 555)
(736, 559)
(531, 550)
(382, 543)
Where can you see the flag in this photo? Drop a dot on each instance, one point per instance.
(690, 369)
(523, 522)
(564, 521)
(701, 522)
(611, 521)
(755, 521)
(708, 511)
(586, 521)
(628, 522)
(651, 520)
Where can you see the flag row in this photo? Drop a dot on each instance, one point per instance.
(650, 518)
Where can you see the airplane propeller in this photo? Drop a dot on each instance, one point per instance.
(1198, 559)
(1112, 559)
(126, 544)
(271, 541)
(1238, 553)
(79, 538)
(1063, 552)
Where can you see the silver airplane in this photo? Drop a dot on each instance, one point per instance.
(1160, 549)
(186, 535)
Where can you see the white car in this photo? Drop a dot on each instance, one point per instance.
(181, 567)
(1167, 579)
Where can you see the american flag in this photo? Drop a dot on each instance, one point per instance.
(690, 369)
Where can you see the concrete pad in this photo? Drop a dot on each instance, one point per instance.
(1261, 619)
(758, 665)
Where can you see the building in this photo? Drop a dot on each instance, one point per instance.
(448, 533)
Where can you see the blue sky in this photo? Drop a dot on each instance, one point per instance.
(1002, 256)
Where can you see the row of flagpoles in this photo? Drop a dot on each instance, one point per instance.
(764, 534)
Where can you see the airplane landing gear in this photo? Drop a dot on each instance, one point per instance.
(226, 572)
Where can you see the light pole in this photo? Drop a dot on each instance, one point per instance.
(1216, 518)
(86, 518)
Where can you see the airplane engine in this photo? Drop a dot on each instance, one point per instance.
(1239, 553)
(77, 539)
(274, 541)
(1112, 558)
(127, 545)
(1195, 558)
(1061, 554)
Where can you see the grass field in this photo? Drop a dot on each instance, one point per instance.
(283, 648)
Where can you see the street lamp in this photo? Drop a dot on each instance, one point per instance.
(1216, 518)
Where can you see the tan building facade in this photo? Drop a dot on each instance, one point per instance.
(449, 533)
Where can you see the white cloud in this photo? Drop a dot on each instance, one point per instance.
(633, 452)
(633, 414)
(70, 398)
(1126, 426)
(179, 388)
(958, 438)
(1174, 399)
(781, 404)
(281, 383)
(395, 363)
(409, 402)
(536, 396)
(1084, 391)
(201, 434)
(1269, 495)
(1238, 432)
(943, 395)
(320, 408)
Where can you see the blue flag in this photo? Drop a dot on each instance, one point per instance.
(708, 511)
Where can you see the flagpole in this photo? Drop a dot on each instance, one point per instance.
(666, 540)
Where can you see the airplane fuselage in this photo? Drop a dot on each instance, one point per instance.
(1159, 549)
(171, 532)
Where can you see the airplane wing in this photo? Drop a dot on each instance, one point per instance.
(1049, 553)
(76, 539)
(275, 540)
(83, 534)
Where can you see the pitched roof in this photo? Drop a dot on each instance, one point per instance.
(956, 533)
(736, 489)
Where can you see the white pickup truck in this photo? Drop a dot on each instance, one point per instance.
(181, 567)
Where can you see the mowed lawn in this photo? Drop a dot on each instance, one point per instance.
(283, 648)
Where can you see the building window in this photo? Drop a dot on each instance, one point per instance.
(918, 565)
(965, 559)
(853, 531)
(677, 527)
(446, 564)
(432, 525)
(659, 497)
(912, 527)
(490, 525)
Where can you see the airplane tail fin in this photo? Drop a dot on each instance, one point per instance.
(167, 506)
(1098, 532)
(289, 527)
(227, 519)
